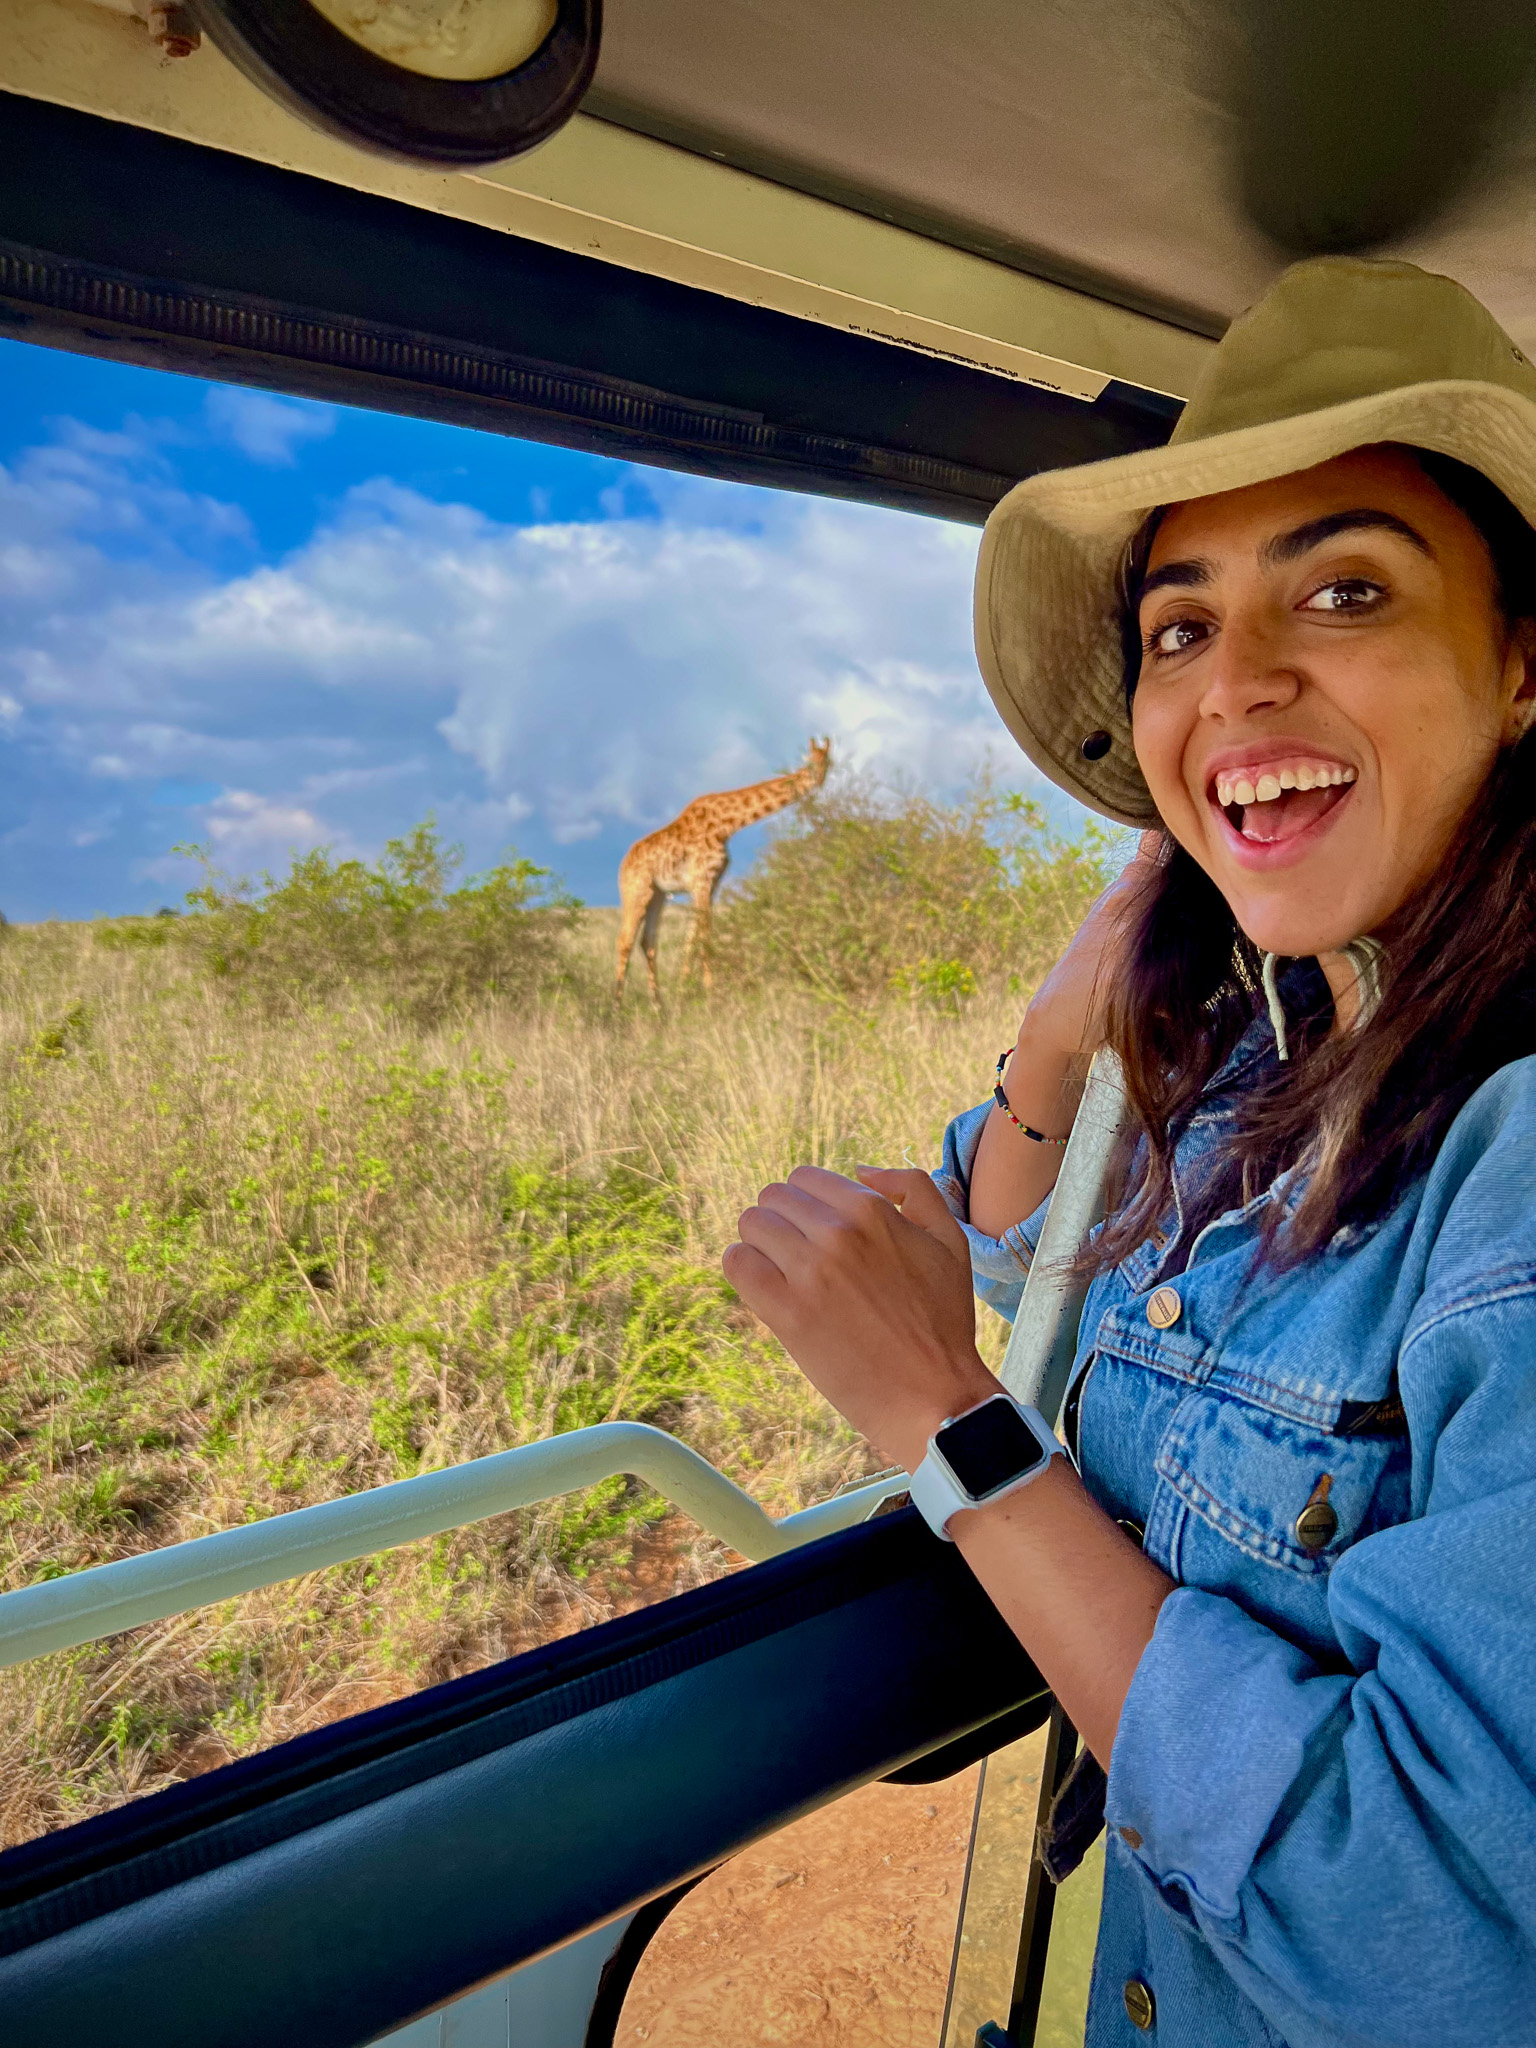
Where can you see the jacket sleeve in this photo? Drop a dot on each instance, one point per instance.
(1358, 1845)
(999, 1265)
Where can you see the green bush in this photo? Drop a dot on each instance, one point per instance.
(869, 890)
(399, 927)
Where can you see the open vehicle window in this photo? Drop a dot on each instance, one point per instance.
(335, 1160)
(354, 1170)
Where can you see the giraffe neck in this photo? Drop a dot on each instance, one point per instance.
(764, 798)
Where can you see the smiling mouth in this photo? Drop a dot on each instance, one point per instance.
(1281, 801)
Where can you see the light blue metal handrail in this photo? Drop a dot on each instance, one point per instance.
(1038, 1361)
(60, 1613)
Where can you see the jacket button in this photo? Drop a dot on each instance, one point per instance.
(1140, 2005)
(1317, 1524)
(1164, 1308)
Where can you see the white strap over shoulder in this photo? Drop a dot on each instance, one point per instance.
(1276, 1007)
(1364, 955)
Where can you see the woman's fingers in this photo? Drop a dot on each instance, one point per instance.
(756, 1279)
(819, 1200)
(912, 1191)
(920, 1202)
(817, 1223)
(875, 1306)
(833, 1191)
(794, 1200)
(777, 1236)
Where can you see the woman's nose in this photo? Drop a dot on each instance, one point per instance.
(1247, 672)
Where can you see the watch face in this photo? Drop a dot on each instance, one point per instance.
(990, 1447)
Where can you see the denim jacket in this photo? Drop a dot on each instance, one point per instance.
(1321, 1804)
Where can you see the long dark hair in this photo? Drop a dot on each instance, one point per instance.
(1363, 1116)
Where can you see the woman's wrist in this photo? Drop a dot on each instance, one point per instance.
(1041, 1080)
(1011, 1174)
(964, 1386)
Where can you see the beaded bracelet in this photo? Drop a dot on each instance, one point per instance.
(1003, 1104)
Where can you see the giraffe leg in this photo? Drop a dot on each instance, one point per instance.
(648, 933)
(631, 916)
(698, 931)
(690, 948)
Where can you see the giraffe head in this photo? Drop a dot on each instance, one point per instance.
(818, 760)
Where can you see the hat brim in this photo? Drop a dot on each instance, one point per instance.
(1047, 627)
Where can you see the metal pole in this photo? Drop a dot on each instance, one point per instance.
(1040, 1897)
(1036, 1367)
(1038, 1360)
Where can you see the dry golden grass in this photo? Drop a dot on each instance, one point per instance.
(251, 1260)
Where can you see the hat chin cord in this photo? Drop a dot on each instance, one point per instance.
(1364, 955)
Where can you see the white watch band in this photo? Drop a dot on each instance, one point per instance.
(938, 1495)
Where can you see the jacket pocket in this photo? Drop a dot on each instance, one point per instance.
(1287, 1492)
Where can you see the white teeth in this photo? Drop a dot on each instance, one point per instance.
(1271, 784)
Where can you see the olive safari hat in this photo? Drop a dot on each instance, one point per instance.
(1339, 353)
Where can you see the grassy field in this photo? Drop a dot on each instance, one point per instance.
(364, 1173)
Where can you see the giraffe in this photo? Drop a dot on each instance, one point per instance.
(688, 857)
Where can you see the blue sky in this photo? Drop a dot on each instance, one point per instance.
(262, 624)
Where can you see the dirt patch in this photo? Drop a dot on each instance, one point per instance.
(837, 1930)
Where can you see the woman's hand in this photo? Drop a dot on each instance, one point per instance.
(1066, 1013)
(867, 1285)
(1062, 1029)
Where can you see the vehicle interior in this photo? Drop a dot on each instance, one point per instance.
(904, 254)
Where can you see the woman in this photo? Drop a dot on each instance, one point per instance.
(1299, 645)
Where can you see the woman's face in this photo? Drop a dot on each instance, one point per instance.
(1326, 680)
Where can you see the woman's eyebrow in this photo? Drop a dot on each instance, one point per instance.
(1196, 570)
(1289, 547)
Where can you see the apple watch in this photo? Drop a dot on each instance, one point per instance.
(992, 1449)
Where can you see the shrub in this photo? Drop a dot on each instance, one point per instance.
(869, 889)
(133, 933)
(399, 927)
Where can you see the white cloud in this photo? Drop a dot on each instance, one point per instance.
(267, 430)
(603, 672)
(244, 826)
(59, 500)
(576, 681)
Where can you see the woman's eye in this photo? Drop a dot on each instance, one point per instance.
(1347, 594)
(1177, 637)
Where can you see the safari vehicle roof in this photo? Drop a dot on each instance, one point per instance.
(812, 242)
(906, 250)
(1075, 196)
(1161, 155)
